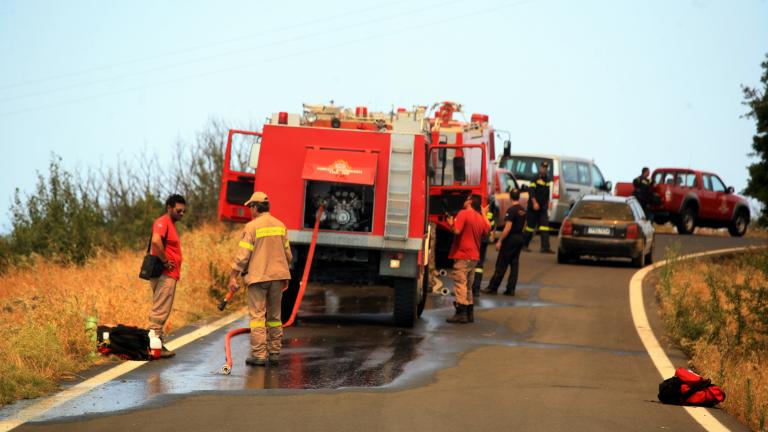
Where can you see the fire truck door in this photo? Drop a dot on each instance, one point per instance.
(238, 176)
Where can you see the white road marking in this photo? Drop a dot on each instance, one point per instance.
(38, 408)
(655, 351)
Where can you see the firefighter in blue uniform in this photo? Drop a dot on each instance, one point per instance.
(483, 247)
(538, 210)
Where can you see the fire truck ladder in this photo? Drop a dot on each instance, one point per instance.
(399, 187)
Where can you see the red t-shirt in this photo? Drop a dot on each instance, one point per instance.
(164, 227)
(472, 228)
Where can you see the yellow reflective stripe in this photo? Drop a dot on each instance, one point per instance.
(269, 232)
(257, 324)
(489, 215)
(529, 229)
(287, 245)
(478, 270)
(543, 228)
(274, 323)
(246, 245)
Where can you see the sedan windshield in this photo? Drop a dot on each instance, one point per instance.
(602, 210)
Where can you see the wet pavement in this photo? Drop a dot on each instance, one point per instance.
(344, 340)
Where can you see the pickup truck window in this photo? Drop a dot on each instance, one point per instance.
(665, 178)
(707, 182)
(717, 184)
(689, 180)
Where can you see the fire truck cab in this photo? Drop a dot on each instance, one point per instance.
(460, 158)
(367, 171)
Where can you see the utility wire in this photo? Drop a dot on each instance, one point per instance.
(272, 59)
(195, 48)
(233, 52)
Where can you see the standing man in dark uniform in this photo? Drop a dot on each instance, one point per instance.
(644, 191)
(479, 264)
(538, 209)
(510, 245)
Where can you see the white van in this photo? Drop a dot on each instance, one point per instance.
(572, 178)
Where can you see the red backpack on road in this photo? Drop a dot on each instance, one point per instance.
(690, 388)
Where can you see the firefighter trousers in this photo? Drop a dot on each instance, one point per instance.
(537, 221)
(463, 275)
(509, 257)
(264, 300)
(163, 292)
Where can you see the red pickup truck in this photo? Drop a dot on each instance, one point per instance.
(690, 198)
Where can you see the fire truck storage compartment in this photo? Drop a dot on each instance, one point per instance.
(348, 207)
(238, 192)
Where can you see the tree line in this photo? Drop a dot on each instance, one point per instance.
(70, 216)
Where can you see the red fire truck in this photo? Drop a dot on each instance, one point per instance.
(460, 159)
(381, 179)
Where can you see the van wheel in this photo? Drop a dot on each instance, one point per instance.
(738, 226)
(406, 305)
(687, 221)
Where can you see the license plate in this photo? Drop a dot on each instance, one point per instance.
(599, 231)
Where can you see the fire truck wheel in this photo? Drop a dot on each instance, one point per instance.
(406, 303)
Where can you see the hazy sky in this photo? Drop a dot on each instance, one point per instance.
(627, 83)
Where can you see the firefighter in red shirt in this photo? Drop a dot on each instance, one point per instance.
(469, 228)
(166, 246)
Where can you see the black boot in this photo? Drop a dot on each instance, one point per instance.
(460, 316)
(509, 292)
(471, 313)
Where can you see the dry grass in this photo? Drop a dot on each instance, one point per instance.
(43, 308)
(717, 310)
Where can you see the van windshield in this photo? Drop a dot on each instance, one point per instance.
(525, 167)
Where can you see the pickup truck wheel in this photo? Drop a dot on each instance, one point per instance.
(562, 257)
(406, 305)
(687, 221)
(738, 226)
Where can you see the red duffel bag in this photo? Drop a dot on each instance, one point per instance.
(690, 388)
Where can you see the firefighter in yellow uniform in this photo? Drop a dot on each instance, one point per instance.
(263, 258)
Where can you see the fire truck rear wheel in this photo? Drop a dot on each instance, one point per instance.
(406, 303)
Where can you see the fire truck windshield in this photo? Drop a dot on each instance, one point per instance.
(443, 162)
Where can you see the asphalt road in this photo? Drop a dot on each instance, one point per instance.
(561, 355)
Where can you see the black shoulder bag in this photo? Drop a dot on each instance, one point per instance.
(152, 266)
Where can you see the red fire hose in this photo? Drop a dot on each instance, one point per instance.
(227, 368)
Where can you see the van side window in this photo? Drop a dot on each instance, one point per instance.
(597, 177)
(570, 172)
(584, 177)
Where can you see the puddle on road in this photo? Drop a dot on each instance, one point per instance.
(343, 342)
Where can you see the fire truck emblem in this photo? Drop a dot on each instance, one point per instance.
(340, 168)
